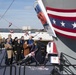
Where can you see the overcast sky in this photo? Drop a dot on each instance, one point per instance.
(21, 13)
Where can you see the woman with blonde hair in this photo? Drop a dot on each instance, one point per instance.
(9, 52)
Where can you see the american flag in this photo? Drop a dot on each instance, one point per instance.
(11, 31)
(63, 21)
(51, 48)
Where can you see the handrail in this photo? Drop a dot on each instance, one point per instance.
(5, 66)
(64, 58)
(66, 64)
(69, 56)
(3, 58)
(24, 68)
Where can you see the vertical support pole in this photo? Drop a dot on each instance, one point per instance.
(61, 62)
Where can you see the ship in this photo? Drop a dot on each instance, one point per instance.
(35, 33)
(58, 18)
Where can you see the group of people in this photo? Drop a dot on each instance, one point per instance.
(17, 49)
(13, 48)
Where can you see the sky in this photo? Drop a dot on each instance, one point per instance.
(20, 14)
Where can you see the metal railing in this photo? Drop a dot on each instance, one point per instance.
(10, 69)
(18, 70)
(65, 64)
(58, 69)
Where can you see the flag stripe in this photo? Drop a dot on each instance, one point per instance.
(62, 14)
(71, 37)
(64, 29)
(61, 10)
(53, 48)
(62, 18)
(65, 33)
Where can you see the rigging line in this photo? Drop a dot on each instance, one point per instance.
(15, 26)
(10, 22)
(7, 9)
(4, 19)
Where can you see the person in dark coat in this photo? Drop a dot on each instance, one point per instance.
(41, 53)
(15, 41)
(18, 48)
(22, 41)
(14, 44)
(34, 49)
